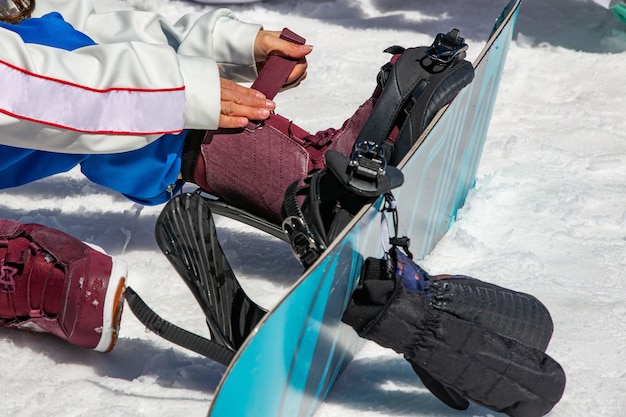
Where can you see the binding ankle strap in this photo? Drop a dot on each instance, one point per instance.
(175, 334)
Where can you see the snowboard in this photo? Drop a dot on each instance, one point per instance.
(287, 364)
(296, 352)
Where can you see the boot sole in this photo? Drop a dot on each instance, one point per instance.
(113, 307)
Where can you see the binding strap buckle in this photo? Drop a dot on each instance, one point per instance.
(303, 245)
(447, 47)
(368, 162)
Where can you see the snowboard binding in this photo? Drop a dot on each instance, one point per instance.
(333, 196)
(412, 88)
(185, 232)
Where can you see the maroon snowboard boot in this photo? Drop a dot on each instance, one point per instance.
(252, 168)
(53, 283)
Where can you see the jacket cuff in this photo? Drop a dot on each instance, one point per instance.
(202, 92)
(235, 55)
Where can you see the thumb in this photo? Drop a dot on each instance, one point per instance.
(292, 50)
(269, 43)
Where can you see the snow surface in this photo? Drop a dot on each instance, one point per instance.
(547, 216)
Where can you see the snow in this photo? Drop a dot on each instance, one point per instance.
(547, 216)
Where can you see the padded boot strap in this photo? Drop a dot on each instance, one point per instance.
(396, 92)
(416, 74)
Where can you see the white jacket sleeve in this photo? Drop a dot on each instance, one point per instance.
(124, 92)
(217, 34)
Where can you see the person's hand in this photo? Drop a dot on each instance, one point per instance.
(240, 104)
(269, 42)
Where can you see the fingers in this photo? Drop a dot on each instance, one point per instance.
(239, 105)
(294, 80)
(269, 42)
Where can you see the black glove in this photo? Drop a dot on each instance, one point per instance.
(465, 338)
(447, 395)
